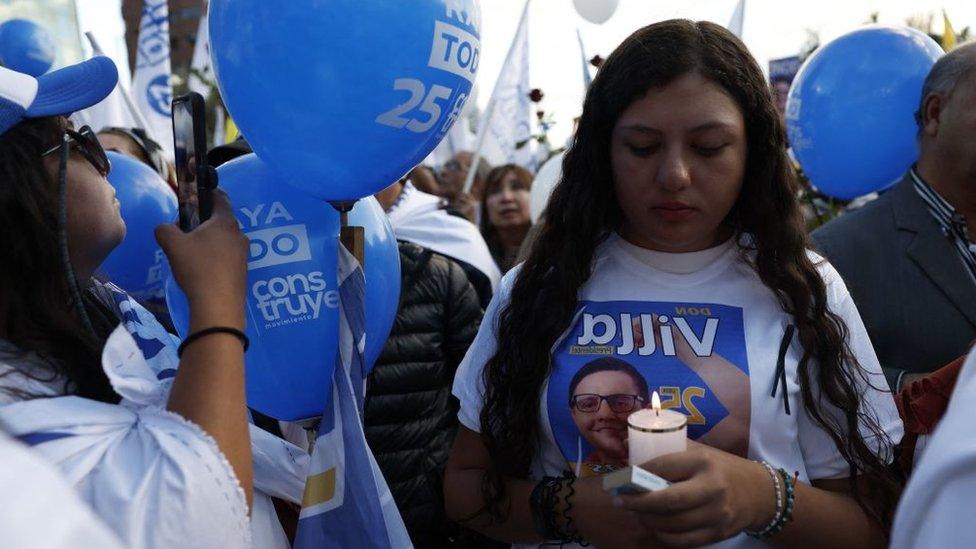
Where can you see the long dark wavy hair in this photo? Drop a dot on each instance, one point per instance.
(37, 311)
(583, 211)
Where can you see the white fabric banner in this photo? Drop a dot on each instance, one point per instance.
(201, 70)
(508, 119)
(111, 111)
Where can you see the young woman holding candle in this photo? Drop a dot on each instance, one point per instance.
(676, 223)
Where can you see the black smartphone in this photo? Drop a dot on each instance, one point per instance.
(195, 179)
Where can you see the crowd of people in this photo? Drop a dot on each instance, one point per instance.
(825, 375)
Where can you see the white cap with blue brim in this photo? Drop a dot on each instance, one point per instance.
(60, 92)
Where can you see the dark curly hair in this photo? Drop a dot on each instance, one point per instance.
(37, 311)
(583, 211)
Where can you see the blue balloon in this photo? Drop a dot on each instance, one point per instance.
(26, 47)
(137, 265)
(292, 301)
(346, 95)
(850, 111)
(381, 266)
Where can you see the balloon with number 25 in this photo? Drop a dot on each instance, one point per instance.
(344, 97)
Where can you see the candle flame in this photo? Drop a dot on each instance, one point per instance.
(656, 402)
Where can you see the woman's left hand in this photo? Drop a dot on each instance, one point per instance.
(714, 495)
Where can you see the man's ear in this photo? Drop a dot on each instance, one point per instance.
(932, 113)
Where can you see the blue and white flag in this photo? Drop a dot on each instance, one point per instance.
(507, 125)
(347, 502)
(151, 88)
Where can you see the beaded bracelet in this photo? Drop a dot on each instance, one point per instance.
(790, 482)
(766, 531)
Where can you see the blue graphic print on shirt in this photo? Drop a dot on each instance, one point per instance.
(670, 346)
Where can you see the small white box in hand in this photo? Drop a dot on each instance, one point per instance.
(633, 480)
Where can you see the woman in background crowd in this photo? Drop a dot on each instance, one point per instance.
(134, 142)
(505, 215)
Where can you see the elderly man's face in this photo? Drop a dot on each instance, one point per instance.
(955, 135)
(453, 174)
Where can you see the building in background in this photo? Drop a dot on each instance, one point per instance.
(184, 19)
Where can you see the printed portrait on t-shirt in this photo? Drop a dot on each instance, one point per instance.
(619, 352)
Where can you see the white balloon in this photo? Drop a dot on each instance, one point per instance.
(545, 181)
(596, 11)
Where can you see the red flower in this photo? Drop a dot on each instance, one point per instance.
(597, 61)
(540, 114)
(536, 95)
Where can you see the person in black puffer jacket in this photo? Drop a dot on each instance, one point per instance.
(411, 416)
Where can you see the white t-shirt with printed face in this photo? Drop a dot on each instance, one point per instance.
(702, 331)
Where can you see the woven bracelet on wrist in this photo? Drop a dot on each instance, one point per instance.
(767, 530)
(542, 502)
(210, 331)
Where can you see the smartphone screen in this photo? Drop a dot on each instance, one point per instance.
(186, 163)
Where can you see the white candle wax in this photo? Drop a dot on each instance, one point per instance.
(653, 433)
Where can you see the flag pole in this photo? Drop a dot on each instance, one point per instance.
(124, 92)
(587, 76)
(490, 109)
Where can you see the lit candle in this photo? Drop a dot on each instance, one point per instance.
(655, 432)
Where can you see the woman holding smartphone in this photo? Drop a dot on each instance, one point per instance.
(154, 437)
(674, 242)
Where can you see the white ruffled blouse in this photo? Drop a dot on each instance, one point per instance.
(156, 479)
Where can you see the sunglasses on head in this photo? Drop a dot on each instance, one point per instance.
(85, 141)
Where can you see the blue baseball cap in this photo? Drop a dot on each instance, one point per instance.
(60, 92)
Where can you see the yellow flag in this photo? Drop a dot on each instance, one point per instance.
(948, 35)
(232, 131)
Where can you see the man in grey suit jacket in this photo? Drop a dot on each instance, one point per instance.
(908, 258)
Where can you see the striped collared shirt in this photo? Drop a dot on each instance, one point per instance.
(952, 223)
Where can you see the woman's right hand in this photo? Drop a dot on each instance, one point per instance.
(210, 265)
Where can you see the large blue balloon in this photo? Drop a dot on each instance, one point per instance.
(26, 47)
(292, 302)
(382, 270)
(137, 265)
(850, 109)
(347, 95)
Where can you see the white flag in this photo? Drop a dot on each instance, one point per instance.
(507, 125)
(736, 24)
(201, 71)
(111, 111)
(151, 89)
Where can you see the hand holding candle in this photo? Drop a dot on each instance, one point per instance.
(655, 432)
